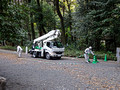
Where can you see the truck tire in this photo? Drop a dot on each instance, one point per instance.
(34, 54)
(58, 57)
(47, 56)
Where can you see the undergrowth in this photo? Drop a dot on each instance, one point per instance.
(99, 54)
(71, 52)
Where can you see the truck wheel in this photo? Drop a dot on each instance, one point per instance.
(58, 57)
(47, 56)
(34, 54)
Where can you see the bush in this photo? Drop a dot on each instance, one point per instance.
(80, 54)
(8, 48)
(12, 48)
(72, 53)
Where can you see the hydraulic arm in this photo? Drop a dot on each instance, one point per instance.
(49, 36)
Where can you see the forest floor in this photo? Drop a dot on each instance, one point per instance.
(68, 73)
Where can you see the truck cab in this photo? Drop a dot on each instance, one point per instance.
(53, 49)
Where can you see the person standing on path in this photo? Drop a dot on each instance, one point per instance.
(19, 51)
(86, 54)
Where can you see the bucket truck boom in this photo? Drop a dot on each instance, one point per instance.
(49, 36)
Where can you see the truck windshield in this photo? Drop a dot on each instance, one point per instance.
(57, 44)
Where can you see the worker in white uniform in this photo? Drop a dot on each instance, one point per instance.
(19, 51)
(86, 54)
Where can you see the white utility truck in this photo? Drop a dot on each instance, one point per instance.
(46, 46)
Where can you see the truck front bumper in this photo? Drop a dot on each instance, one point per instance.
(56, 55)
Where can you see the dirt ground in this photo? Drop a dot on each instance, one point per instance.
(29, 73)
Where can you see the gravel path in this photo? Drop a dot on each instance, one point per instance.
(29, 73)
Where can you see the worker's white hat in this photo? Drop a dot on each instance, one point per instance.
(90, 47)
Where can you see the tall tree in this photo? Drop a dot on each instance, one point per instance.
(40, 17)
(62, 21)
(31, 19)
(3, 14)
(70, 17)
(44, 17)
(97, 20)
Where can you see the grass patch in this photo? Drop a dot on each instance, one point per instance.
(12, 48)
(8, 48)
(73, 53)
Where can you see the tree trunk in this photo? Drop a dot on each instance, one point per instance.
(40, 18)
(63, 8)
(70, 18)
(43, 29)
(32, 27)
(40, 26)
(54, 13)
(28, 29)
(31, 23)
(97, 45)
(4, 44)
(18, 2)
(1, 8)
(62, 22)
(115, 45)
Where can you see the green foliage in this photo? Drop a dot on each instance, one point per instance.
(98, 20)
(12, 48)
(13, 23)
(80, 54)
(49, 16)
(4, 5)
(44, 16)
(73, 52)
(8, 48)
(93, 21)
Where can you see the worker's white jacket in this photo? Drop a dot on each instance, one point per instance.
(88, 51)
(19, 48)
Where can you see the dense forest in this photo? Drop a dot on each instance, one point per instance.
(82, 23)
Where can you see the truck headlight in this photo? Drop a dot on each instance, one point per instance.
(52, 53)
